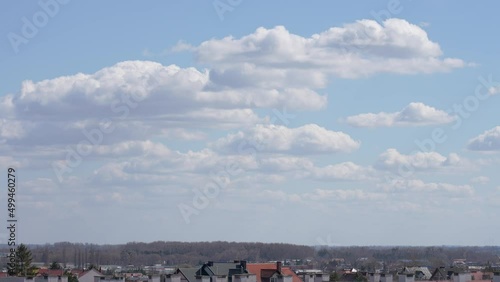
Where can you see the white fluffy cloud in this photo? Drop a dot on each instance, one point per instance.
(415, 114)
(343, 171)
(282, 164)
(270, 68)
(169, 88)
(155, 163)
(488, 141)
(6, 162)
(301, 167)
(177, 129)
(11, 129)
(307, 139)
(391, 159)
(361, 48)
(139, 99)
(292, 98)
(136, 161)
(419, 186)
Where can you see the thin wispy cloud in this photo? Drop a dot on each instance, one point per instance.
(415, 114)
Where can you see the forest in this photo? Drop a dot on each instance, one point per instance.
(195, 253)
(166, 253)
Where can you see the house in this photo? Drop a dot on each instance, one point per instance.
(77, 272)
(272, 272)
(14, 279)
(420, 273)
(90, 276)
(217, 272)
(374, 277)
(379, 277)
(134, 278)
(385, 277)
(406, 277)
(223, 269)
(172, 278)
(35, 279)
(50, 272)
(187, 274)
(441, 273)
(462, 277)
(454, 274)
(313, 276)
(496, 277)
(108, 279)
(350, 276)
(246, 277)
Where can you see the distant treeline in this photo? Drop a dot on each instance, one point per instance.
(392, 258)
(169, 253)
(195, 253)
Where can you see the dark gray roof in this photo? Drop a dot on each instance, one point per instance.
(446, 273)
(420, 272)
(189, 273)
(213, 269)
(225, 268)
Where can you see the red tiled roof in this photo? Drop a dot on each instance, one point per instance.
(266, 273)
(50, 272)
(256, 268)
(97, 272)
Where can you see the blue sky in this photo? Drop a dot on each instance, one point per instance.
(340, 123)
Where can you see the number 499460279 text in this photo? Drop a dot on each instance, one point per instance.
(11, 183)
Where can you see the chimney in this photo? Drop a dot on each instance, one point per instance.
(210, 263)
(278, 266)
(243, 264)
